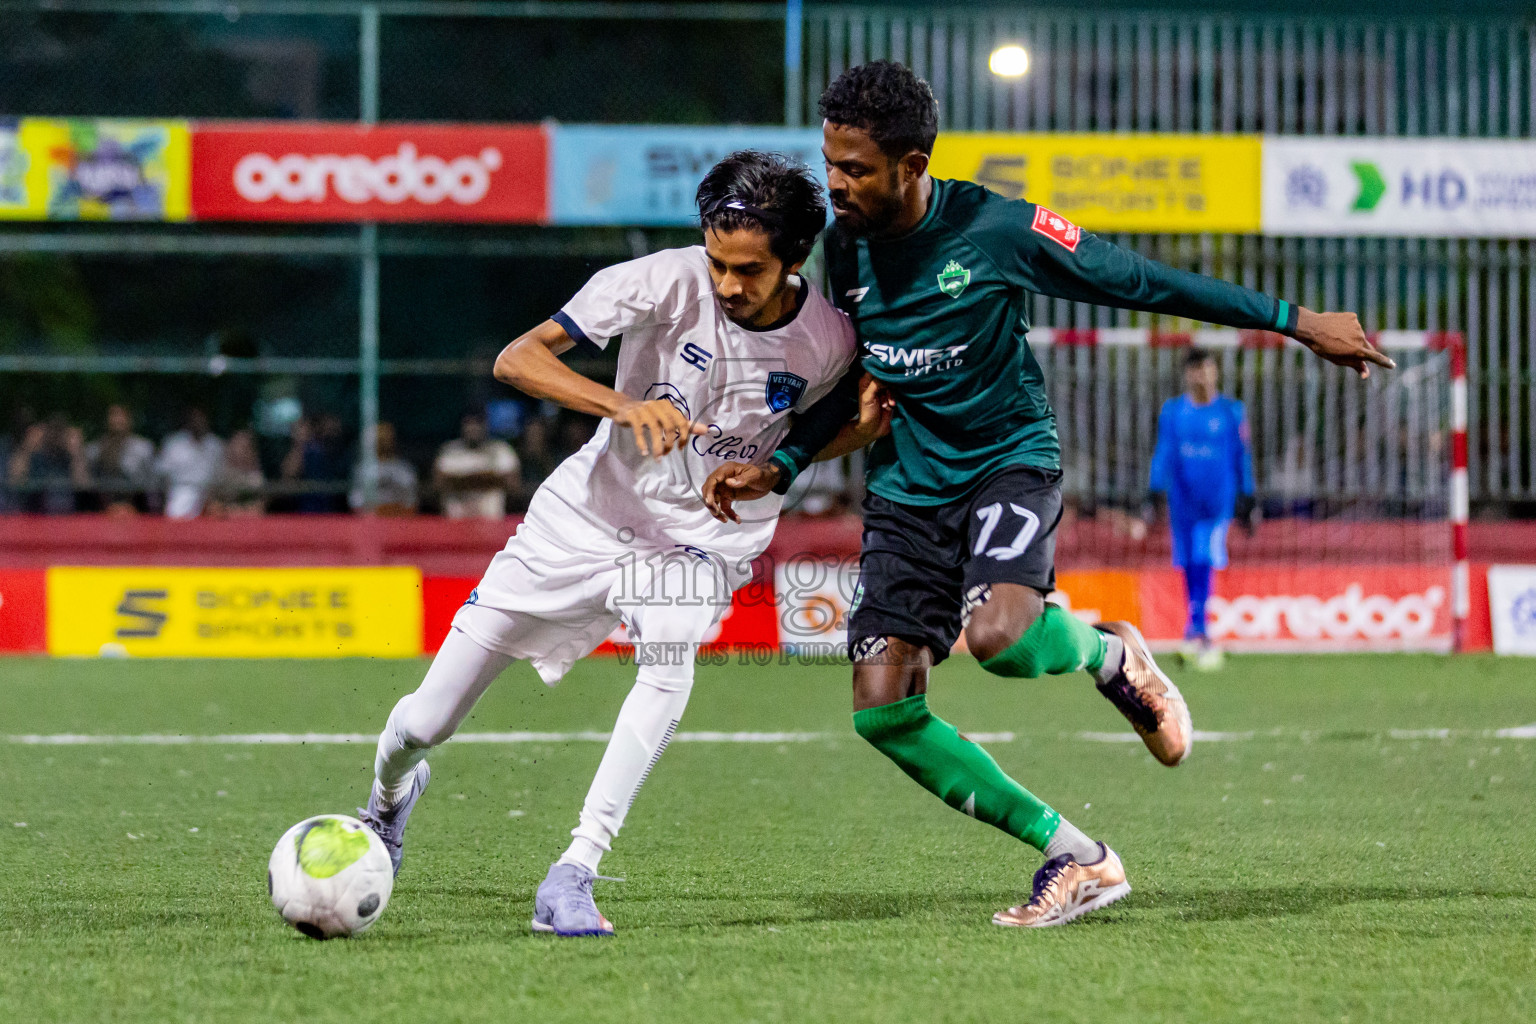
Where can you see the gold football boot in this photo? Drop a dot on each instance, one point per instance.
(1065, 890)
(1147, 698)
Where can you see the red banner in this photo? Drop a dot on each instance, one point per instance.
(23, 611)
(1309, 608)
(280, 171)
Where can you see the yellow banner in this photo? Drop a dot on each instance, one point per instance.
(1183, 183)
(95, 169)
(235, 613)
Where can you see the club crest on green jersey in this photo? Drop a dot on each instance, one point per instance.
(954, 279)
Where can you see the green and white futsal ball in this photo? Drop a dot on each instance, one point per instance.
(330, 876)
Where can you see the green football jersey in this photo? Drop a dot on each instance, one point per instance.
(942, 315)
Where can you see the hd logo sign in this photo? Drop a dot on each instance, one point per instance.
(235, 613)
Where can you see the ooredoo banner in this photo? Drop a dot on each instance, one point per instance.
(397, 172)
(1309, 608)
(235, 613)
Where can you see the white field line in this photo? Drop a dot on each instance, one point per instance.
(1522, 732)
(1130, 737)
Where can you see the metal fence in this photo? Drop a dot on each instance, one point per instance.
(1325, 444)
(1166, 72)
(1146, 71)
(1172, 72)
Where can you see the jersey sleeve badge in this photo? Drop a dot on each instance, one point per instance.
(1057, 228)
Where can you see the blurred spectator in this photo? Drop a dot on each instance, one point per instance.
(394, 479)
(318, 455)
(239, 487)
(473, 473)
(120, 463)
(21, 418)
(48, 467)
(189, 460)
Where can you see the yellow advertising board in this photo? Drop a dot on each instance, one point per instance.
(95, 169)
(1181, 183)
(235, 613)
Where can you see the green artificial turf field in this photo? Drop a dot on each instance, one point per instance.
(1341, 863)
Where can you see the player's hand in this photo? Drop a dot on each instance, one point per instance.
(1339, 338)
(659, 425)
(737, 481)
(875, 408)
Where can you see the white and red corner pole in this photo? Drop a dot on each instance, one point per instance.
(1461, 582)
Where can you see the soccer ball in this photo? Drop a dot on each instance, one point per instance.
(330, 876)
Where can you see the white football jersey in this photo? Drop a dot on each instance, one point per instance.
(742, 383)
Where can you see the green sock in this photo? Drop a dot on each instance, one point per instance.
(954, 769)
(1055, 643)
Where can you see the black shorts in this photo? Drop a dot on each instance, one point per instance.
(923, 566)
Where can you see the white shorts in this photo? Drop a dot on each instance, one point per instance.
(564, 582)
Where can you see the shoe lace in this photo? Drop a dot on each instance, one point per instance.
(579, 899)
(1047, 875)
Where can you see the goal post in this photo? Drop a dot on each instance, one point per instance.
(1362, 484)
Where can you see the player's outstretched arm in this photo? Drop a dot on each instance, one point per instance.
(532, 365)
(1052, 257)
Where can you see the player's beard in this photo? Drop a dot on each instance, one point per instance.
(876, 216)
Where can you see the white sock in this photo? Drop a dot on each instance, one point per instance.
(421, 720)
(1071, 839)
(645, 726)
(1114, 657)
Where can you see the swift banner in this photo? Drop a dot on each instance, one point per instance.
(647, 176)
(235, 613)
(343, 172)
(93, 169)
(1417, 187)
(1117, 182)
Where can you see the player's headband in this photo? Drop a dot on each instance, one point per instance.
(768, 217)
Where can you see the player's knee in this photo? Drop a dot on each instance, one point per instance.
(987, 640)
(993, 630)
(666, 678)
(417, 728)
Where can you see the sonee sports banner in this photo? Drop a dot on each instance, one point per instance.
(235, 613)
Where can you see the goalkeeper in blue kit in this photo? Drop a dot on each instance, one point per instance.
(964, 475)
(1203, 467)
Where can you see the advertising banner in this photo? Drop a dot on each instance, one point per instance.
(1512, 601)
(94, 169)
(647, 176)
(1415, 187)
(15, 196)
(23, 603)
(281, 171)
(235, 613)
(1309, 608)
(1116, 182)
